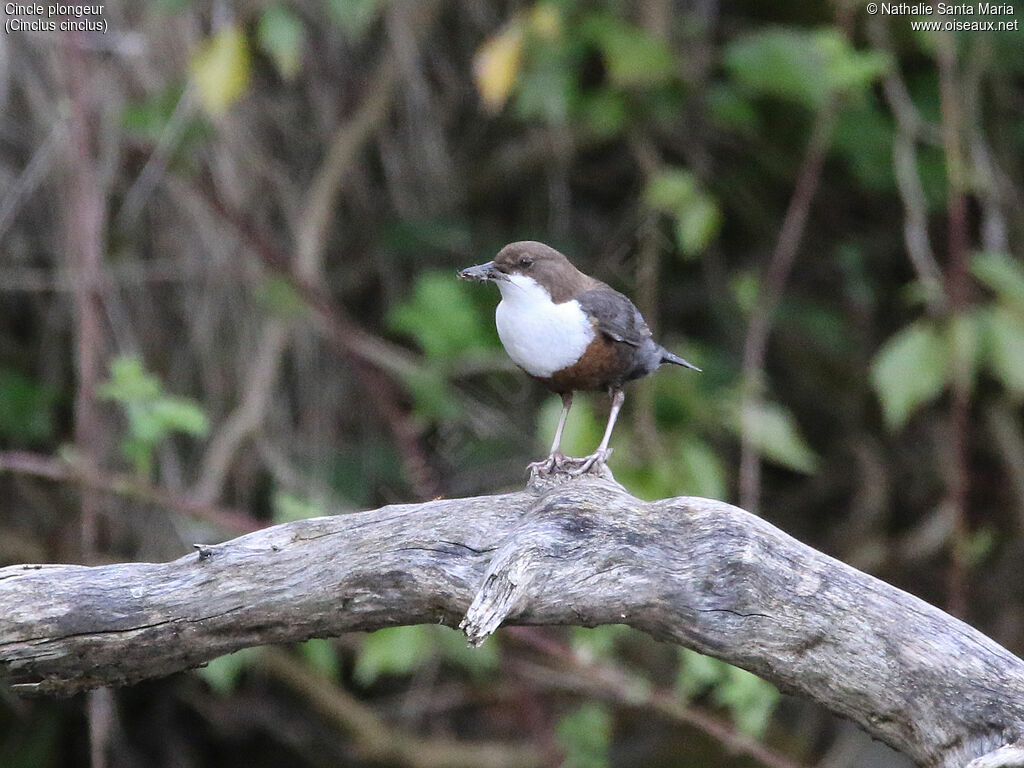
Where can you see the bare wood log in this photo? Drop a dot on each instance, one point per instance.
(692, 571)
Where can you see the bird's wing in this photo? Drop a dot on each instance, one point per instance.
(614, 315)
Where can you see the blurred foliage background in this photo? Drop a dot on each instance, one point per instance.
(228, 239)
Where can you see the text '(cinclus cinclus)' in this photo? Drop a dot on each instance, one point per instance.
(570, 332)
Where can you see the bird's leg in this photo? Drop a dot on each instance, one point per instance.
(555, 458)
(603, 451)
(566, 405)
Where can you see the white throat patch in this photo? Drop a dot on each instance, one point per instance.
(540, 336)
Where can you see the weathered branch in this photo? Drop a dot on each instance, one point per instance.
(692, 571)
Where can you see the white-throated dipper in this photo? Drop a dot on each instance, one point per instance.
(570, 332)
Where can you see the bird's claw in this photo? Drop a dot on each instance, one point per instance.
(556, 460)
(584, 465)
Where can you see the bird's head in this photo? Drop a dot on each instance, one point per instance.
(529, 262)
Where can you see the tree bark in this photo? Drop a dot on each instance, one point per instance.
(692, 571)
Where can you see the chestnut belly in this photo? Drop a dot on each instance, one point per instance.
(604, 365)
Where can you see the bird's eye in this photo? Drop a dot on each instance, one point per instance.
(525, 261)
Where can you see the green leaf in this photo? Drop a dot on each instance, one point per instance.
(687, 466)
(282, 36)
(146, 428)
(697, 673)
(847, 70)
(597, 643)
(727, 107)
(321, 656)
(409, 238)
(817, 324)
(221, 70)
(604, 112)
(401, 650)
(40, 746)
(151, 414)
(140, 454)
(632, 57)
(392, 651)
(179, 414)
(582, 431)
(545, 92)
(281, 299)
(778, 62)
(442, 318)
(675, 191)
(354, 16)
(864, 139)
(26, 409)
(288, 507)
(697, 224)
(1002, 274)
(129, 382)
(976, 547)
(909, 371)
(222, 673)
(774, 432)
(585, 735)
(931, 166)
(670, 189)
(478, 662)
(173, 6)
(745, 288)
(1005, 349)
(433, 396)
(749, 699)
(806, 66)
(699, 470)
(148, 117)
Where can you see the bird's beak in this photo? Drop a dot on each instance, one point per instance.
(481, 272)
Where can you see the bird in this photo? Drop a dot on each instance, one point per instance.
(571, 332)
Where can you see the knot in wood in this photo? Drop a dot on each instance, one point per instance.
(571, 553)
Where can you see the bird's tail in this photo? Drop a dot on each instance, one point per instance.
(668, 357)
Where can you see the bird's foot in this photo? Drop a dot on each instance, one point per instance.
(577, 467)
(555, 461)
(559, 463)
